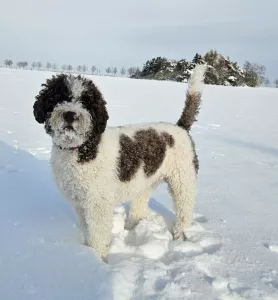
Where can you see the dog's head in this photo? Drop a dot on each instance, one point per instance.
(72, 109)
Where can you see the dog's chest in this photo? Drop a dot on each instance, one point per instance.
(72, 178)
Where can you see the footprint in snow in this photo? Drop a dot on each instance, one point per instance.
(271, 247)
(214, 125)
(200, 218)
(8, 169)
(152, 239)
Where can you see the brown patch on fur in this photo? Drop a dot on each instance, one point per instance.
(168, 138)
(129, 161)
(147, 147)
(195, 159)
(188, 117)
(190, 111)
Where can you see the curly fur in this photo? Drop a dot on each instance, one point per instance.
(147, 147)
(62, 91)
(97, 167)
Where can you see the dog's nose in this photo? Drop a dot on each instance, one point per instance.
(69, 116)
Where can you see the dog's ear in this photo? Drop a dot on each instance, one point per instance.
(39, 110)
(93, 100)
(54, 91)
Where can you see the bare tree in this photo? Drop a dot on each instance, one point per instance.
(25, 64)
(84, 68)
(131, 71)
(69, 68)
(34, 64)
(108, 70)
(22, 64)
(276, 83)
(79, 68)
(64, 67)
(39, 65)
(114, 71)
(8, 62)
(54, 67)
(266, 82)
(48, 65)
(123, 71)
(93, 69)
(253, 74)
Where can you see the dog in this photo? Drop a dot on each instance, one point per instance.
(97, 167)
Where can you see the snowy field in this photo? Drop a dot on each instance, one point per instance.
(232, 247)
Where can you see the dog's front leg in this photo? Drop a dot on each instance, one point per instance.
(96, 221)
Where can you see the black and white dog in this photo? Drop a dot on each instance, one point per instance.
(97, 167)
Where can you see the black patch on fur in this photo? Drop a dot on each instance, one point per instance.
(94, 103)
(89, 150)
(146, 147)
(56, 91)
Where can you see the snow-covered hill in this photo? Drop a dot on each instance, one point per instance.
(232, 246)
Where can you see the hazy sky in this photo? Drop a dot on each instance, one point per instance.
(128, 32)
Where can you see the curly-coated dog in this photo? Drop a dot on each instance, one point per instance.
(97, 167)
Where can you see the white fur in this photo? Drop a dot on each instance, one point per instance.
(196, 79)
(94, 188)
(73, 138)
(75, 86)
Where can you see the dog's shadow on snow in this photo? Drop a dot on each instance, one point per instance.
(40, 236)
(27, 189)
(247, 144)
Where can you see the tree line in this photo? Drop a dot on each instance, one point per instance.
(221, 70)
(84, 69)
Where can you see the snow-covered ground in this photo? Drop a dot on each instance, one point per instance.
(232, 247)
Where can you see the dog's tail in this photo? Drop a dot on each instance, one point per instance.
(193, 98)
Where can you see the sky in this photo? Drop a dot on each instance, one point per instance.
(129, 32)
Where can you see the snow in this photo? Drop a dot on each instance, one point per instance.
(232, 78)
(232, 246)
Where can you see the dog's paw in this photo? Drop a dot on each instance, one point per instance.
(178, 233)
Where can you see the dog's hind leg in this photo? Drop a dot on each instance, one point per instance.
(182, 188)
(138, 209)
